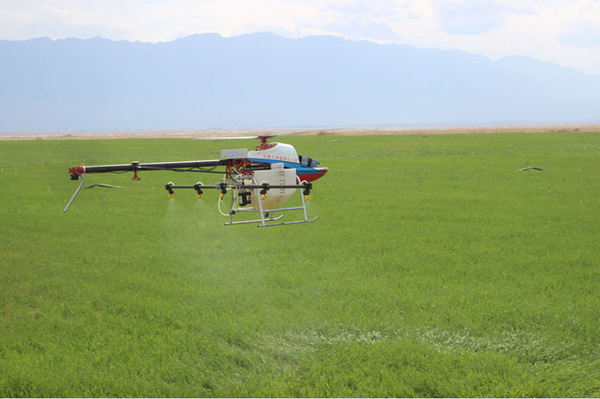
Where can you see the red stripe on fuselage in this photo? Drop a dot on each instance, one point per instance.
(312, 176)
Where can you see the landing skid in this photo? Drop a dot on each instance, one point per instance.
(268, 221)
(267, 216)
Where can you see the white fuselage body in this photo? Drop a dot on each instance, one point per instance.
(277, 152)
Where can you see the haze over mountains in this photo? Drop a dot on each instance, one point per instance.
(263, 80)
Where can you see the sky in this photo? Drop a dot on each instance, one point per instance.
(566, 32)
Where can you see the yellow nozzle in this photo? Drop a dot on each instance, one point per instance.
(263, 196)
(199, 196)
(171, 196)
(308, 197)
(221, 196)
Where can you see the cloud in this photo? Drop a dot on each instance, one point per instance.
(582, 25)
(363, 29)
(371, 21)
(473, 17)
(468, 17)
(66, 18)
(584, 35)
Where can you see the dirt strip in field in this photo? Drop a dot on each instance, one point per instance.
(333, 131)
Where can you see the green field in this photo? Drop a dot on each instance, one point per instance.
(437, 268)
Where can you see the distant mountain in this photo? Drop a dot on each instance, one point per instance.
(263, 80)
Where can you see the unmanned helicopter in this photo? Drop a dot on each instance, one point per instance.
(260, 181)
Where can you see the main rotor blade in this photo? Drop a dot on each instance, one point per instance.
(228, 138)
(258, 136)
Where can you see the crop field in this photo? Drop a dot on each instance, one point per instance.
(436, 268)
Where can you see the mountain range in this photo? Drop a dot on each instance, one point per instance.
(262, 80)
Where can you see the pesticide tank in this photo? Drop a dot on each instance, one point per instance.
(277, 175)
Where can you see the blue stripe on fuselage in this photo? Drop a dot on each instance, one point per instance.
(300, 170)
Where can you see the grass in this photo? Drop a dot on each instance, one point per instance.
(436, 268)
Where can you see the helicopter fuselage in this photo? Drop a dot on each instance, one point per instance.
(307, 169)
